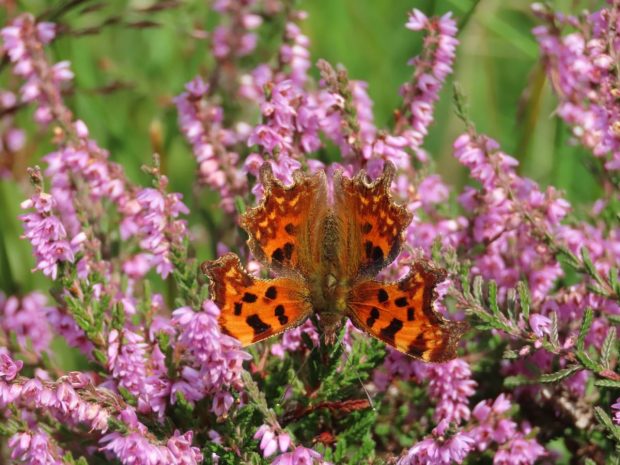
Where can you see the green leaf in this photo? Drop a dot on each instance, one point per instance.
(510, 354)
(559, 375)
(128, 396)
(511, 297)
(524, 299)
(553, 333)
(586, 361)
(587, 262)
(586, 322)
(100, 356)
(493, 299)
(477, 288)
(613, 279)
(116, 425)
(240, 204)
(605, 420)
(607, 350)
(516, 381)
(607, 383)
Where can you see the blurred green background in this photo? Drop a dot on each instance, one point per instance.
(497, 68)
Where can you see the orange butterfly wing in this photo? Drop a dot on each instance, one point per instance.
(254, 309)
(402, 315)
(285, 229)
(371, 224)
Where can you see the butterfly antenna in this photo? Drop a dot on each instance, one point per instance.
(372, 405)
(297, 372)
(357, 375)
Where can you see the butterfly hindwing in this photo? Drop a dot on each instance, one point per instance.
(253, 309)
(284, 229)
(402, 315)
(371, 223)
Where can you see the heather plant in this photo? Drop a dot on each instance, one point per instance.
(110, 348)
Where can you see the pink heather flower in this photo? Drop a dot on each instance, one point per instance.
(417, 20)
(127, 353)
(291, 340)
(300, 456)
(541, 325)
(142, 373)
(222, 401)
(493, 427)
(137, 448)
(202, 124)
(282, 168)
(519, 451)
(214, 359)
(158, 226)
(616, 410)
(23, 43)
(46, 234)
(499, 221)
(291, 123)
(439, 450)
(233, 38)
(58, 399)
(270, 441)
(35, 448)
(9, 368)
(26, 318)
(431, 69)
(294, 52)
(450, 386)
(65, 326)
(579, 66)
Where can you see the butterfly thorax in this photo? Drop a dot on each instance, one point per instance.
(329, 302)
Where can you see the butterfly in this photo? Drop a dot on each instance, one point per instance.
(326, 251)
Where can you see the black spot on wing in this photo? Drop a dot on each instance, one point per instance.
(290, 229)
(249, 297)
(389, 332)
(271, 292)
(258, 325)
(418, 346)
(279, 313)
(382, 295)
(288, 250)
(374, 315)
(277, 255)
(366, 228)
(377, 254)
(401, 302)
(410, 314)
(415, 351)
(238, 307)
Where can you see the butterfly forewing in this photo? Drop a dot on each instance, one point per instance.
(253, 309)
(371, 223)
(285, 228)
(402, 315)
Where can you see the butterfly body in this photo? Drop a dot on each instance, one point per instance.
(326, 255)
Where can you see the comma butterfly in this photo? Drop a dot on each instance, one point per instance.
(325, 258)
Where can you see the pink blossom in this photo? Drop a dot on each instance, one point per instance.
(9, 368)
(300, 456)
(439, 450)
(271, 441)
(35, 448)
